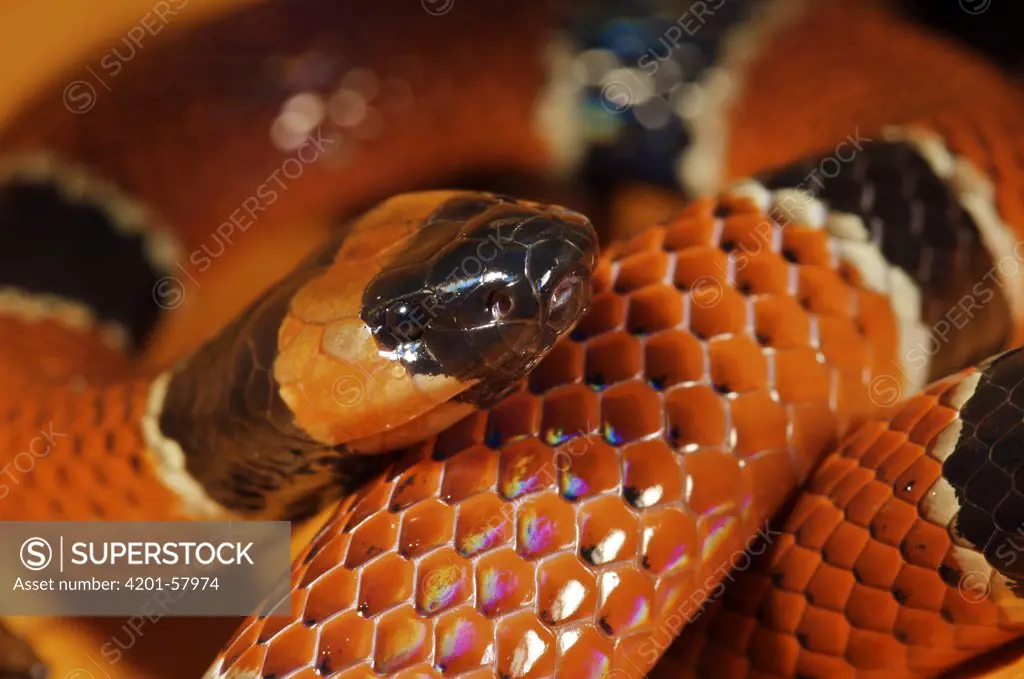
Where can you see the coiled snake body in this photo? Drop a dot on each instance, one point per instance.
(852, 238)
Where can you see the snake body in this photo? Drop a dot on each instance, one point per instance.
(581, 524)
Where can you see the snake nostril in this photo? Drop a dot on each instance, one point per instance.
(565, 301)
(499, 304)
(563, 292)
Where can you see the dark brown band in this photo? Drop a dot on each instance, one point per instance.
(986, 467)
(64, 245)
(224, 408)
(920, 227)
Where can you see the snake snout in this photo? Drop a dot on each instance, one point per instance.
(559, 265)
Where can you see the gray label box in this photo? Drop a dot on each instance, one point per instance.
(144, 568)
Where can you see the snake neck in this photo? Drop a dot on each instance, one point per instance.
(223, 436)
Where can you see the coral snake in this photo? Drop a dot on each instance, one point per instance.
(773, 430)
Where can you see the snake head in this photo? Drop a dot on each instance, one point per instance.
(460, 295)
(486, 288)
(424, 309)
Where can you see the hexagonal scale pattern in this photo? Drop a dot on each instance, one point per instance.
(863, 577)
(566, 527)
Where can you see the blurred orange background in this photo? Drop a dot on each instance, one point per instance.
(38, 38)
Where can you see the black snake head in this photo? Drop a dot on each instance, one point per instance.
(484, 290)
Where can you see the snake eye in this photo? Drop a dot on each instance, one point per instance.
(498, 304)
(404, 324)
